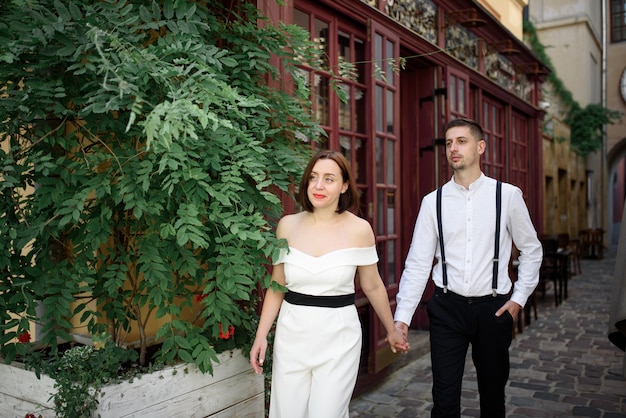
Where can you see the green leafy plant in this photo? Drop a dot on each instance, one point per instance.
(586, 125)
(79, 374)
(585, 122)
(144, 147)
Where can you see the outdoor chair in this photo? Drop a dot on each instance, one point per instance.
(550, 271)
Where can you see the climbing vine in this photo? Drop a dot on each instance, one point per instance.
(585, 122)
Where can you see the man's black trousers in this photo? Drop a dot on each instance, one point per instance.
(456, 322)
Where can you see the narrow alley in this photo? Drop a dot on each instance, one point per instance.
(562, 364)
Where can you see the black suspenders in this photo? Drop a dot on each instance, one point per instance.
(444, 267)
(496, 246)
(496, 253)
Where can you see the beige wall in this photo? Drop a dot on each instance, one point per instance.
(616, 65)
(565, 191)
(571, 31)
(509, 12)
(615, 134)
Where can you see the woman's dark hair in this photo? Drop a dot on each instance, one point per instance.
(475, 129)
(349, 200)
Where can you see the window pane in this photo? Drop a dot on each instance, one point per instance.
(360, 161)
(494, 130)
(389, 62)
(391, 209)
(379, 108)
(359, 111)
(345, 108)
(359, 58)
(380, 208)
(379, 161)
(486, 114)
(453, 106)
(390, 162)
(487, 156)
(321, 39)
(618, 20)
(343, 44)
(378, 56)
(345, 143)
(462, 96)
(301, 19)
(364, 203)
(389, 111)
(391, 262)
(321, 99)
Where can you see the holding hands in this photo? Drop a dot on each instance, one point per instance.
(398, 340)
(403, 330)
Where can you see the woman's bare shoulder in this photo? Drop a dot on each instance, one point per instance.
(287, 224)
(361, 230)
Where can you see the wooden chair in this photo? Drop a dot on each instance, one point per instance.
(597, 243)
(564, 259)
(575, 249)
(592, 243)
(550, 272)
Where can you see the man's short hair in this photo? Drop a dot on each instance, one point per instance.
(475, 129)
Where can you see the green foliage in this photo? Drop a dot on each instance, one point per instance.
(585, 123)
(144, 147)
(539, 49)
(79, 373)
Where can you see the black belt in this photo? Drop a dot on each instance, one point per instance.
(338, 301)
(468, 299)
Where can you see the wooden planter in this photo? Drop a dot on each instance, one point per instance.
(234, 391)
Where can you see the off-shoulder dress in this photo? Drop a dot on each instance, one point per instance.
(317, 349)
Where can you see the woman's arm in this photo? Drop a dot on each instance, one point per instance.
(271, 306)
(372, 286)
(272, 301)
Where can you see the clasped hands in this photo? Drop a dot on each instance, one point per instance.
(398, 338)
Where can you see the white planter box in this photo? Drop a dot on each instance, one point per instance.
(234, 391)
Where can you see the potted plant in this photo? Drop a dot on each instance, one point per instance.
(144, 150)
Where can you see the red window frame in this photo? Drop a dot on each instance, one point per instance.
(618, 20)
(519, 164)
(493, 160)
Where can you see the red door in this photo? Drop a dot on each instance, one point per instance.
(384, 136)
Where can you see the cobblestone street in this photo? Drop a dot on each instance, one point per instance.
(562, 364)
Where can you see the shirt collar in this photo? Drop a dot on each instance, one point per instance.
(473, 186)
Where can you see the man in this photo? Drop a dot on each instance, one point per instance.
(473, 302)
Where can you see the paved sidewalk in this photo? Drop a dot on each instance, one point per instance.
(562, 364)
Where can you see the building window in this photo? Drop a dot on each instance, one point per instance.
(340, 105)
(519, 165)
(618, 20)
(385, 52)
(352, 116)
(458, 94)
(493, 127)
(317, 75)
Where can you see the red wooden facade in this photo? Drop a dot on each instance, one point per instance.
(418, 64)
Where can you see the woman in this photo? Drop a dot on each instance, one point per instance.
(318, 334)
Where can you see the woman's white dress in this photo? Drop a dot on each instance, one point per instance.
(317, 350)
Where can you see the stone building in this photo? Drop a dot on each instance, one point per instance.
(417, 65)
(586, 42)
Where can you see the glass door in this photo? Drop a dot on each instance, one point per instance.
(384, 208)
